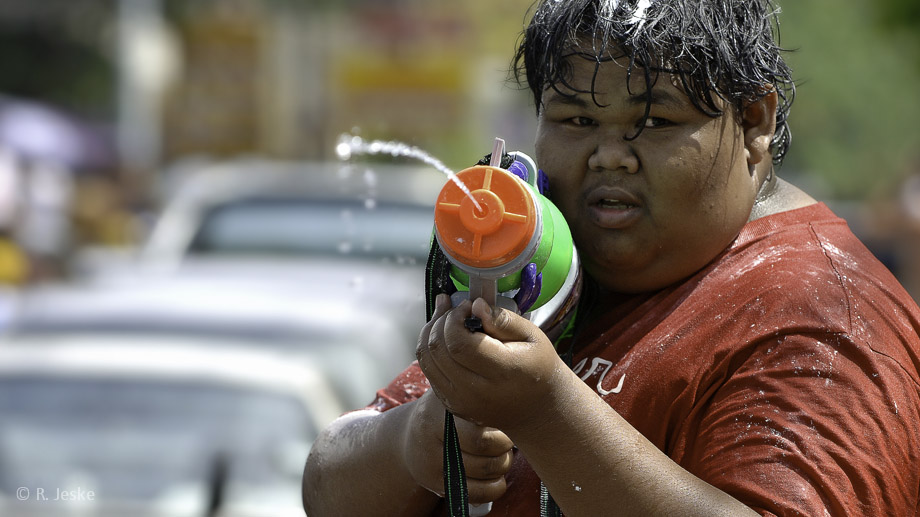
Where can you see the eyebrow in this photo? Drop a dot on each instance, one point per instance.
(654, 96)
(574, 99)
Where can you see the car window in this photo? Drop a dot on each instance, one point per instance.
(309, 227)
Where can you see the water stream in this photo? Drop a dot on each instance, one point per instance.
(351, 145)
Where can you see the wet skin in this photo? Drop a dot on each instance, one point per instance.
(651, 211)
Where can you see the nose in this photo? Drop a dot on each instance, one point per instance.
(614, 153)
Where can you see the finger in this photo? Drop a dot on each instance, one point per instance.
(474, 354)
(483, 491)
(426, 433)
(440, 383)
(504, 325)
(482, 441)
(436, 335)
(458, 339)
(428, 347)
(442, 305)
(456, 332)
(487, 467)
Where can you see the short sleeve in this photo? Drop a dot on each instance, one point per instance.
(406, 387)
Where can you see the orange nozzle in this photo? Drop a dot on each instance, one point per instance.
(496, 232)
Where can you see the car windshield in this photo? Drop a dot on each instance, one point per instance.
(137, 440)
(307, 227)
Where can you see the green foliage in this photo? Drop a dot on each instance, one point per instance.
(900, 13)
(39, 66)
(55, 51)
(854, 119)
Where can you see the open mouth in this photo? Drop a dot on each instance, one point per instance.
(613, 198)
(614, 204)
(614, 208)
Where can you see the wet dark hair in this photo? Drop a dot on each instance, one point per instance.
(716, 49)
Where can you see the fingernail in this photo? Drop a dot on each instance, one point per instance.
(497, 313)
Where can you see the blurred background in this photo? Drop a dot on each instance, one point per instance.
(192, 284)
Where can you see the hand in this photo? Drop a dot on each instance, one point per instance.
(499, 377)
(487, 452)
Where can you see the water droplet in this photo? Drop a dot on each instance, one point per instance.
(344, 247)
(370, 178)
(370, 203)
(343, 151)
(345, 171)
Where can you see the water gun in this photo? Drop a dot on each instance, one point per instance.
(501, 229)
(507, 243)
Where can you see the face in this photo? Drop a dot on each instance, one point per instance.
(647, 212)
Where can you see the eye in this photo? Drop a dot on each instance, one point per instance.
(655, 122)
(581, 121)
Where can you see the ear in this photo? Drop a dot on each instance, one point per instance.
(759, 125)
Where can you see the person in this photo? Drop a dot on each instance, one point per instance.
(736, 350)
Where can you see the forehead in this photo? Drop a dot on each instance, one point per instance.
(609, 77)
(612, 81)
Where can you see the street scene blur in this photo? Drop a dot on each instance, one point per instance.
(194, 282)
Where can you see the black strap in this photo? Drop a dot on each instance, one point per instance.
(437, 281)
(455, 493)
(437, 277)
(548, 507)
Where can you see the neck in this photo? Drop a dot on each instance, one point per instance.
(767, 187)
(776, 195)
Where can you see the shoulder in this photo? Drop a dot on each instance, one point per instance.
(803, 271)
(778, 273)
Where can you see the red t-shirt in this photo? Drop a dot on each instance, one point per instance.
(784, 373)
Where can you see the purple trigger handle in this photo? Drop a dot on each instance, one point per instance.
(531, 283)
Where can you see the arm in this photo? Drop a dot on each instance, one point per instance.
(604, 462)
(357, 467)
(590, 458)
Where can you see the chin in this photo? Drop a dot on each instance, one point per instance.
(629, 281)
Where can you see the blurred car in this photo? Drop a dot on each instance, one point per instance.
(258, 207)
(352, 233)
(327, 258)
(159, 428)
(284, 319)
(350, 239)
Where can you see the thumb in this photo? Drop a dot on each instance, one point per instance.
(504, 325)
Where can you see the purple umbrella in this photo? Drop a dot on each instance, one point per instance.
(37, 131)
